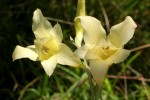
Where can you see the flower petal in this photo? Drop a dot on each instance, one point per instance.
(49, 65)
(92, 54)
(21, 52)
(121, 33)
(99, 69)
(57, 33)
(93, 30)
(66, 56)
(32, 47)
(40, 26)
(81, 51)
(119, 56)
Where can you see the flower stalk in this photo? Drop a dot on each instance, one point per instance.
(90, 79)
(95, 89)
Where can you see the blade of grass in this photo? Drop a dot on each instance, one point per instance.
(68, 71)
(71, 88)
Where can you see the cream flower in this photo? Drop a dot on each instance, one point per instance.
(102, 51)
(48, 47)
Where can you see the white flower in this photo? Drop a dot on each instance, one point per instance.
(48, 47)
(100, 50)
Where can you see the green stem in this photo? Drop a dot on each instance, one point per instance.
(95, 89)
(90, 80)
(97, 92)
(98, 89)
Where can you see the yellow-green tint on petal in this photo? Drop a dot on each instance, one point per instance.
(92, 28)
(40, 26)
(107, 51)
(114, 55)
(121, 33)
(78, 28)
(21, 52)
(46, 48)
(79, 33)
(81, 10)
(102, 52)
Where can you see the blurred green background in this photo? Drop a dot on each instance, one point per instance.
(26, 80)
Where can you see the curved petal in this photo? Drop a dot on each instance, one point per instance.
(98, 69)
(49, 65)
(81, 51)
(21, 52)
(119, 56)
(57, 33)
(66, 56)
(121, 33)
(40, 26)
(93, 30)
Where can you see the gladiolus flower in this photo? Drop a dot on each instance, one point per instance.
(48, 47)
(100, 50)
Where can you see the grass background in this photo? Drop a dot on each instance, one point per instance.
(26, 80)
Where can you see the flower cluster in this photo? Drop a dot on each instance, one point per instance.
(93, 46)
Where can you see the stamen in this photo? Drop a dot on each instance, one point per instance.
(45, 50)
(104, 49)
